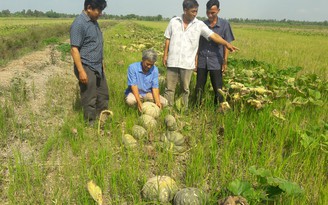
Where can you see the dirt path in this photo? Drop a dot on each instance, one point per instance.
(33, 71)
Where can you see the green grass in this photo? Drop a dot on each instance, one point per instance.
(282, 46)
(66, 155)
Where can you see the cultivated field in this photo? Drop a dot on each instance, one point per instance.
(270, 147)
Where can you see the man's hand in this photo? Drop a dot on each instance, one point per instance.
(159, 105)
(139, 106)
(231, 48)
(164, 60)
(83, 77)
(224, 67)
(166, 51)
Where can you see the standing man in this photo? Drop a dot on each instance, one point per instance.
(181, 46)
(143, 81)
(213, 58)
(87, 52)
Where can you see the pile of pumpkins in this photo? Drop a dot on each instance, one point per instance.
(172, 139)
(164, 189)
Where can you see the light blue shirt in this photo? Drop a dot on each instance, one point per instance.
(144, 81)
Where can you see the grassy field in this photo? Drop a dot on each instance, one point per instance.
(280, 45)
(274, 152)
(19, 36)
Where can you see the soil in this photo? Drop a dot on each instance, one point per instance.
(35, 70)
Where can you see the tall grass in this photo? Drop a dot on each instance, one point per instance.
(221, 148)
(284, 48)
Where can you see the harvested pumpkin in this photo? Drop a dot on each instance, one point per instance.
(147, 121)
(129, 141)
(189, 196)
(150, 108)
(233, 200)
(139, 132)
(173, 140)
(176, 137)
(179, 149)
(159, 188)
(171, 123)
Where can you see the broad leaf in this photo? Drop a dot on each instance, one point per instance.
(290, 188)
(238, 187)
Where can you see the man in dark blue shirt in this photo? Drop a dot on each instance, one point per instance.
(213, 57)
(87, 52)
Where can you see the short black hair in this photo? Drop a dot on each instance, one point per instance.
(211, 3)
(189, 4)
(95, 4)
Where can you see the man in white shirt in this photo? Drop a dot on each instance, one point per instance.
(181, 45)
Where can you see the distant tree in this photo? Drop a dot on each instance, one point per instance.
(52, 14)
(37, 13)
(159, 17)
(5, 13)
(29, 12)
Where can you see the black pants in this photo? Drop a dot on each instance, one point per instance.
(94, 95)
(216, 80)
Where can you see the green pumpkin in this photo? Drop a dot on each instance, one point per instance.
(171, 123)
(189, 196)
(173, 141)
(147, 122)
(179, 149)
(176, 137)
(159, 188)
(139, 132)
(150, 108)
(129, 141)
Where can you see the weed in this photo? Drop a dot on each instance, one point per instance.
(65, 49)
(18, 90)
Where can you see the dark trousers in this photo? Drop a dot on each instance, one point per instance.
(94, 95)
(216, 80)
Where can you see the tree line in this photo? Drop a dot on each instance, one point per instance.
(52, 14)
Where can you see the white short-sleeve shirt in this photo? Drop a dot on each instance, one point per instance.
(184, 42)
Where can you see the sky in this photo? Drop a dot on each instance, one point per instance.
(302, 10)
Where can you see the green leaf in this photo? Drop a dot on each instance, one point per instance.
(290, 188)
(261, 174)
(314, 94)
(316, 102)
(300, 101)
(308, 142)
(273, 191)
(238, 187)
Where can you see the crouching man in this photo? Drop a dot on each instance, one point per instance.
(143, 82)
